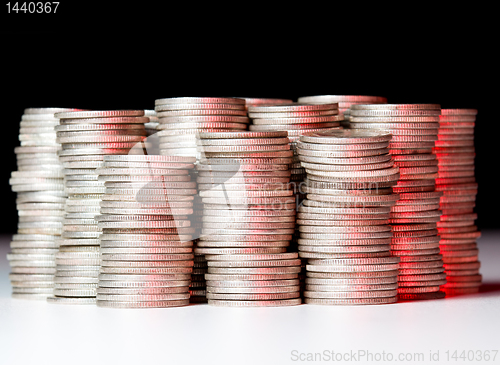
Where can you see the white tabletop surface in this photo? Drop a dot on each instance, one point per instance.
(36, 332)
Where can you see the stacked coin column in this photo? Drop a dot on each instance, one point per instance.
(146, 247)
(248, 220)
(181, 119)
(344, 221)
(86, 137)
(40, 200)
(344, 101)
(455, 153)
(296, 119)
(414, 217)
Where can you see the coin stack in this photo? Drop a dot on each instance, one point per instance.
(296, 119)
(455, 154)
(414, 128)
(344, 101)
(146, 243)
(344, 221)
(86, 137)
(40, 200)
(181, 119)
(248, 220)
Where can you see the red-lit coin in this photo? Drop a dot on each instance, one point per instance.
(421, 296)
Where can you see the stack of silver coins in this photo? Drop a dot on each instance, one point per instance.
(248, 219)
(345, 102)
(146, 243)
(40, 201)
(181, 119)
(415, 129)
(455, 154)
(344, 221)
(296, 119)
(86, 137)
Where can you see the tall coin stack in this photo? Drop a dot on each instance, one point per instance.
(248, 219)
(181, 119)
(146, 242)
(86, 137)
(296, 119)
(455, 154)
(344, 221)
(40, 200)
(344, 101)
(414, 128)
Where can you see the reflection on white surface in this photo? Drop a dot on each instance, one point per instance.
(37, 332)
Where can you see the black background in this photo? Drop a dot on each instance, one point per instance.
(95, 56)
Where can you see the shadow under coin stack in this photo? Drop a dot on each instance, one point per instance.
(146, 242)
(344, 101)
(40, 200)
(248, 219)
(455, 153)
(344, 221)
(86, 137)
(414, 217)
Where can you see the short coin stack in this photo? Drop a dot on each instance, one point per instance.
(455, 154)
(414, 128)
(181, 119)
(146, 242)
(248, 219)
(344, 101)
(86, 137)
(40, 202)
(344, 221)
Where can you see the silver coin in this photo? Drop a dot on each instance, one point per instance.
(242, 244)
(253, 290)
(199, 100)
(255, 303)
(145, 244)
(142, 291)
(70, 300)
(143, 304)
